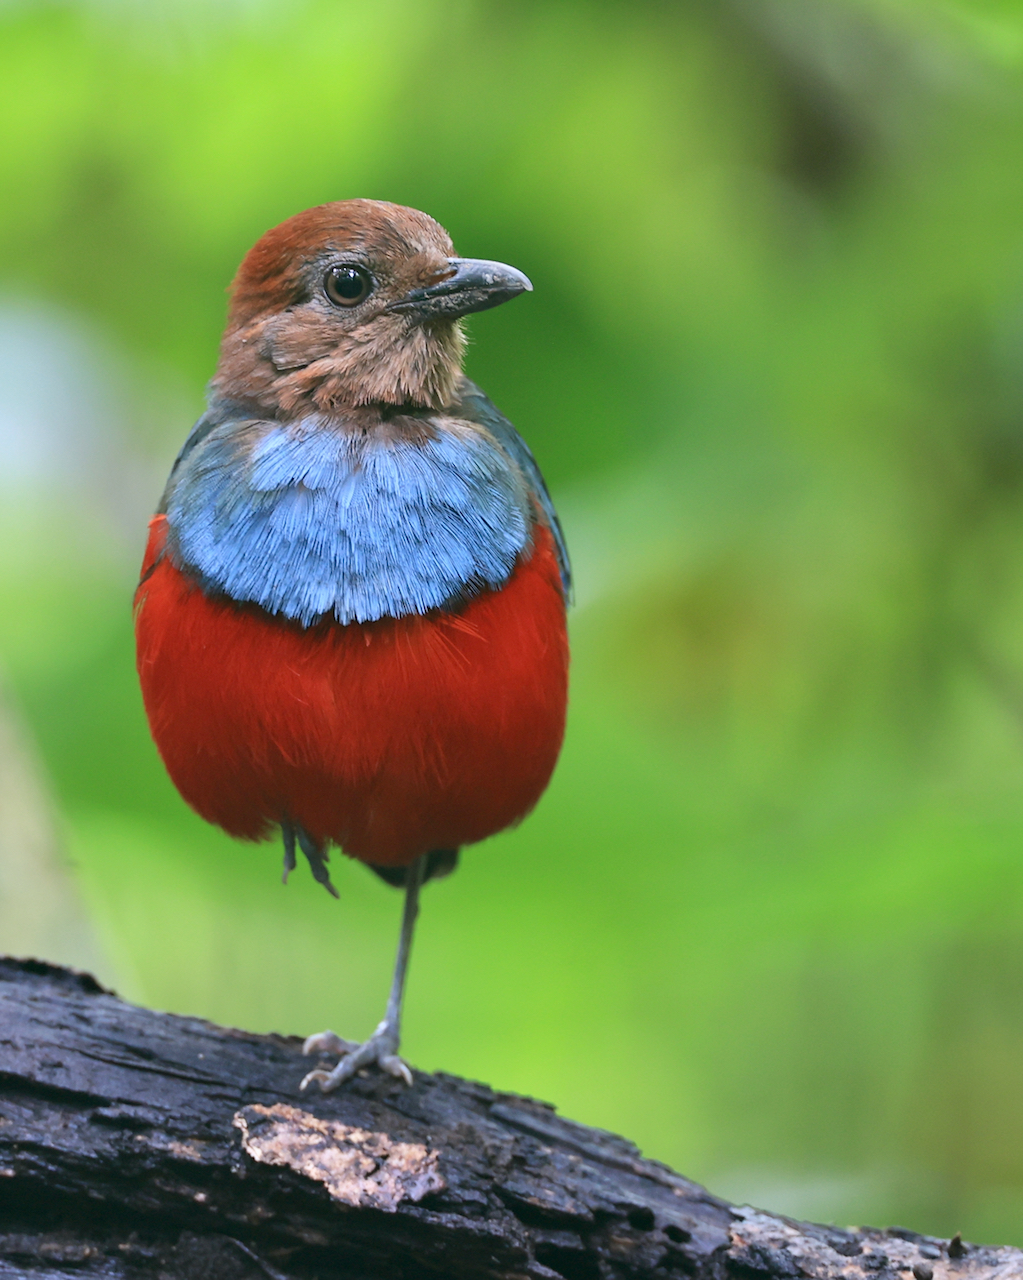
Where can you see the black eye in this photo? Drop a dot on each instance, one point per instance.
(347, 285)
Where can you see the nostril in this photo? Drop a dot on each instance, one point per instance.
(442, 273)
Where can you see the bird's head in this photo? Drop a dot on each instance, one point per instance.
(353, 303)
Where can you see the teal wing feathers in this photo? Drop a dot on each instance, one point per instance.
(473, 405)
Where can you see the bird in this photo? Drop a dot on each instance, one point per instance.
(351, 614)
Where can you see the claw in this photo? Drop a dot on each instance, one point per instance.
(396, 1066)
(378, 1049)
(321, 1077)
(331, 1080)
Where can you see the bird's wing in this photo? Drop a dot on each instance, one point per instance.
(213, 417)
(474, 406)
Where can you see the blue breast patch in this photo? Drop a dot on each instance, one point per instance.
(308, 520)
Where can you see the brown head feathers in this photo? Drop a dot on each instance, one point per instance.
(314, 322)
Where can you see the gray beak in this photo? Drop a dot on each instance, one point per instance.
(474, 285)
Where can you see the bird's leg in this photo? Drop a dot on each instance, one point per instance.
(382, 1046)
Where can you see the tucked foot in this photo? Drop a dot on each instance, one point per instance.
(288, 836)
(380, 1049)
(316, 854)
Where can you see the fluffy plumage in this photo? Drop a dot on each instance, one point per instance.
(310, 519)
(390, 738)
(351, 618)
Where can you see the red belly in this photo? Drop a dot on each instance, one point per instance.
(389, 738)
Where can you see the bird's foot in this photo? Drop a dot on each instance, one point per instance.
(381, 1048)
(316, 854)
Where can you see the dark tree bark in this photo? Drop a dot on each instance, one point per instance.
(138, 1144)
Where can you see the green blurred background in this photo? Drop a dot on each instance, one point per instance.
(768, 919)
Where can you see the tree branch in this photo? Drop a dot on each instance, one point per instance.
(138, 1144)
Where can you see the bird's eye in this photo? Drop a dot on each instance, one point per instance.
(345, 285)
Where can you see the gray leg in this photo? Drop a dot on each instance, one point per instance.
(382, 1046)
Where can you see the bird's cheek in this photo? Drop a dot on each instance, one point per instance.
(293, 341)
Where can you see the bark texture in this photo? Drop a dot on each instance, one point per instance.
(138, 1144)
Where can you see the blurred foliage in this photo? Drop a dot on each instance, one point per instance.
(768, 920)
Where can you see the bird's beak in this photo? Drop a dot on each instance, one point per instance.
(473, 285)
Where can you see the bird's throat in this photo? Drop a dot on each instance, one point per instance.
(289, 366)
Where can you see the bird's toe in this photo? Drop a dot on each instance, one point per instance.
(397, 1067)
(378, 1050)
(328, 1042)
